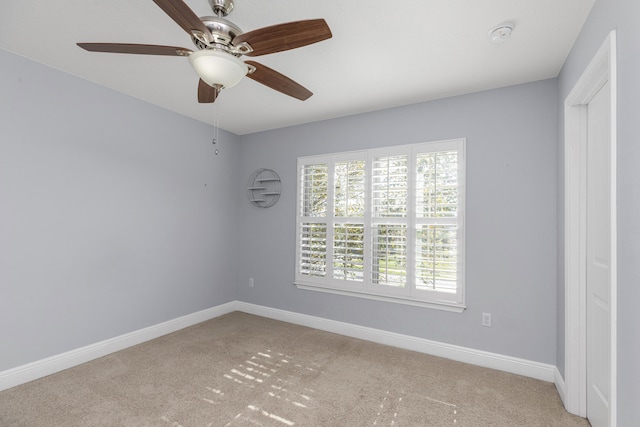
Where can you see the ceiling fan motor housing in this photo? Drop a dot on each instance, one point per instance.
(222, 30)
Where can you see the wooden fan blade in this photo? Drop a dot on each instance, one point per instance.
(143, 49)
(206, 93)
(186, 18)
(277, 81)
(278, 38)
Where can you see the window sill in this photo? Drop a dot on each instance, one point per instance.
(452, 307)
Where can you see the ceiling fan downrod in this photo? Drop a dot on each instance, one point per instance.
(221, 7)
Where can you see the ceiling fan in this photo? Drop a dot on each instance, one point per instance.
(220, 43)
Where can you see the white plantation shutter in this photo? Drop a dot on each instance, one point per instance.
(436, 221)
(384, 223)
(437, 184)
(390, 204)
(390, 186)
(349, 184)
(315, 182)
(313, 249)
(348, 251)
(389, 250)
(312, 224)
(436, 258)
(348, 229)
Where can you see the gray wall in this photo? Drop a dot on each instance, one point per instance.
(114, 214)
(620, 15)
(511, 218)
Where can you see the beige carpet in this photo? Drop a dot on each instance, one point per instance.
(243, 370)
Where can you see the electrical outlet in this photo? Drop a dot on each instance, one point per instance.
(251, 282)
(486, 319)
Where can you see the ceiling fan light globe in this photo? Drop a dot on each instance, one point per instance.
(218, 68)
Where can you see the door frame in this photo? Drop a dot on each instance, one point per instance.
(601, 69)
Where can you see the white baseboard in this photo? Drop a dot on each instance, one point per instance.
(51, 365)
(486, 359)
(31, 371)
(560, 386)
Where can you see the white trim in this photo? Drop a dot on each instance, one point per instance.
(446, 306)
(574, 261)
(601, 69)
(561, 387)
(51, 365)
(528, 368)
(613, 82)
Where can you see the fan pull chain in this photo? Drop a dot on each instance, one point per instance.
(216, 129)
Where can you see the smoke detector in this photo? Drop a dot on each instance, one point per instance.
(501, 33)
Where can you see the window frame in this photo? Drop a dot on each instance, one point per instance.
(409, 294)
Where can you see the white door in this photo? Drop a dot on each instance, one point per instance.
(598, 251)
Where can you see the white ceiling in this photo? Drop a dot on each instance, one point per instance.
(382, 54)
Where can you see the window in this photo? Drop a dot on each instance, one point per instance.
(385, 223)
